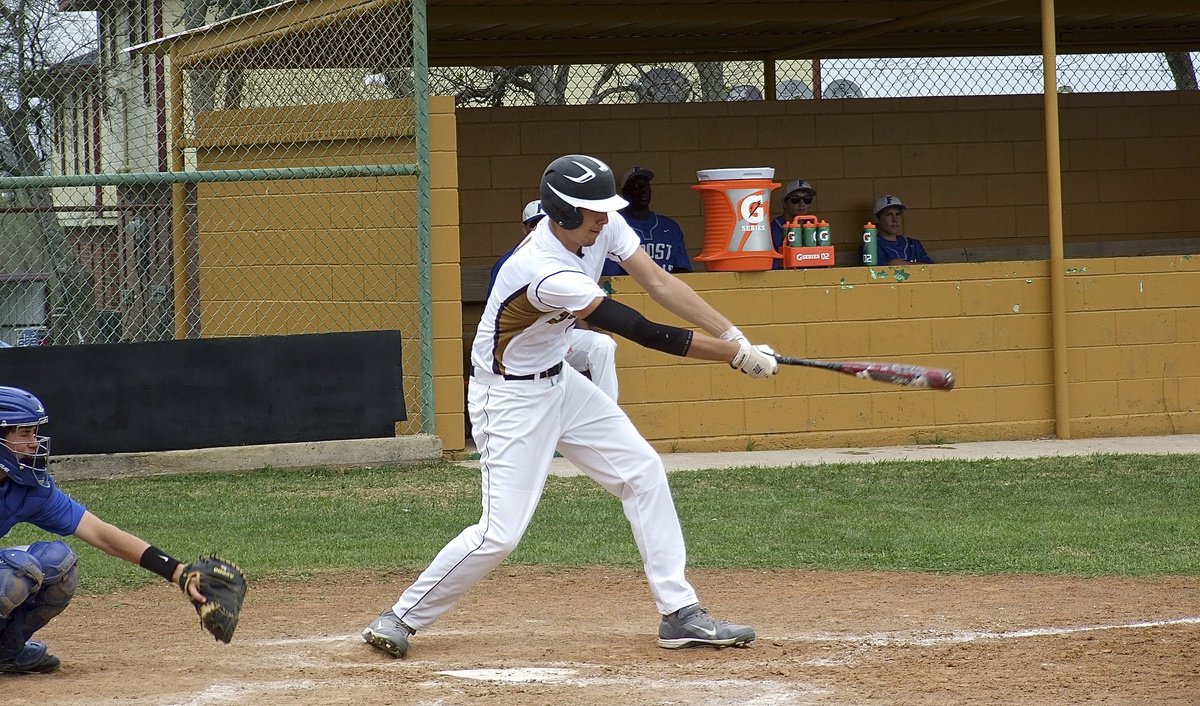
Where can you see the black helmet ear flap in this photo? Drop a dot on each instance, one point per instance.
(560, 211)
(578, 181)
(572, 222)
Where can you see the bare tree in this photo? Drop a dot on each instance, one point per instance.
(203, 83)
(549, 84)
(35, 40)
(1182, 69)
(712, 80)
(496, 85)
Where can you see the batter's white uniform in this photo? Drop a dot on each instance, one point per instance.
(518, 423)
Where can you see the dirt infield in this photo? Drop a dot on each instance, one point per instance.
(574, 637)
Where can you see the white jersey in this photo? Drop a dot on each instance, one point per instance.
(528, 313)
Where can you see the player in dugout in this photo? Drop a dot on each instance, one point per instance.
(524, 402)
(662, 238)
(895, 248)
(798, 195)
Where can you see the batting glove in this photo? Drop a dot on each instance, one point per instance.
(733, 334)
(756, 361)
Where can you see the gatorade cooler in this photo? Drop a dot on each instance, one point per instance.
(737, 219)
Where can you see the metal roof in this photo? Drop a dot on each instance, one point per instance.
(468, 32)
(521, 32)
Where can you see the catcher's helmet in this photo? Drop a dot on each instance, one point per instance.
(578, 181)
(19, 408)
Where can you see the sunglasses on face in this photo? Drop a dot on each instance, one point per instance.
(800, 199)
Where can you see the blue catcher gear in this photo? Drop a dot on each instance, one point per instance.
(36, 584)
(33, 658)
(19, 408)
(578, 181)
(20, 577)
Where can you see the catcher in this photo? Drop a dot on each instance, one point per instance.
(37, 581)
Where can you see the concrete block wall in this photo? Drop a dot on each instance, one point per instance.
(1133, 337)
(972, 169)
(445, 254)
(335, 254)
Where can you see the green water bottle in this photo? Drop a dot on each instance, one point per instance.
(870, 241)
(823, 237)
(809, 235)
(794, 234)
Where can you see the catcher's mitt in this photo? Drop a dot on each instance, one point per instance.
(222, 583)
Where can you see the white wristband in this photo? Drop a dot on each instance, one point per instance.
(733, 334)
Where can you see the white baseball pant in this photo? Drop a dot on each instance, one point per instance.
(516, 425)
(595, 353)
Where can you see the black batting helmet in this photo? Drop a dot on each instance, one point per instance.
(578, 181)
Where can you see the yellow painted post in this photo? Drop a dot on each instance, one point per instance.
(178, 222)
(1058, 297)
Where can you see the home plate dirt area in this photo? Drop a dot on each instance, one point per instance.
(586, 636)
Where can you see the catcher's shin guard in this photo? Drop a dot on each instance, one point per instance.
(20, 577)
(60, 579)
(36, 584)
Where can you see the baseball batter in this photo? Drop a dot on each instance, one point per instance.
(524, 403)
(590, 352)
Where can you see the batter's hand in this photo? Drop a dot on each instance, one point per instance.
(756, 361)
(733, 334)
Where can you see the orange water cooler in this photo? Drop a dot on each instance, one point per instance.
(737, 219)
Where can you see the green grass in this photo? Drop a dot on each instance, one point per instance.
(1117, 515)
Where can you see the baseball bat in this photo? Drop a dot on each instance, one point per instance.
(915, 376)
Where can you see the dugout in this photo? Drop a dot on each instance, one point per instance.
(1050, 333)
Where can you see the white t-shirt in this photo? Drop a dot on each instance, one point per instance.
(527, 317)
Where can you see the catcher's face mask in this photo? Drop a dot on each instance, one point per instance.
(25, 456)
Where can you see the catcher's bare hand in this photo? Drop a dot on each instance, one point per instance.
(756, 361)
(216, 589)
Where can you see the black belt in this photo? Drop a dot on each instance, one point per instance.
(547, 373)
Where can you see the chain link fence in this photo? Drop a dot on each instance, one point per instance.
(233, 168)
(230, 169)
(808, 79)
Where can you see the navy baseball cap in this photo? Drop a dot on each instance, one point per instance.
(636, 172)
